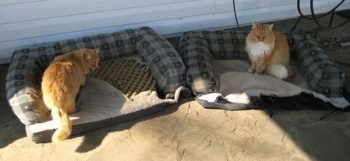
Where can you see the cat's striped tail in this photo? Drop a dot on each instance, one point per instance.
(65, 126)
(279, 71)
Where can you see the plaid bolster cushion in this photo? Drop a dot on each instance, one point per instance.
(27, 65)
(198, 49)
(163, 60)
(319, 70)
(23, 86)
(195, 53)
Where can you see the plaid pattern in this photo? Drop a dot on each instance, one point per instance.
(195, 53)
(198, 49)
(27, 65)
(163, 60)
(319, 70)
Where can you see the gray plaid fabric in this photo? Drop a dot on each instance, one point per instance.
(163, 60)
(198, 49)
(197, 57)
(27, 65)
(319, 70)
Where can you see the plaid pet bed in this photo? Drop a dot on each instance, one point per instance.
(27, 65)
(197, 49)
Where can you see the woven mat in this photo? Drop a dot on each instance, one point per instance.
(127, 75)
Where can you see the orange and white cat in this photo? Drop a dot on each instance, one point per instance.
(60, 85)
(268, 51)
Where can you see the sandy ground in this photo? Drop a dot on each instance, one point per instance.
(189, 132)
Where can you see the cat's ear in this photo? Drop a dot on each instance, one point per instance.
(254, 26)
(270, 27)
(97, 50)
(87, 56)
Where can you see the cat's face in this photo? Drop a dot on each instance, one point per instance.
(261, 33)
(90, 57)
(93, 58)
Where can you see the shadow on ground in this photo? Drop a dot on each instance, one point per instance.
(11, 128)
(94, 138)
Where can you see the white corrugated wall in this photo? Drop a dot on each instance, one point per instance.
(28, 22)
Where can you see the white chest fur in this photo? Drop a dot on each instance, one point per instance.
(257, 50)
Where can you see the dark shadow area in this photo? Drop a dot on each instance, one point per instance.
(322, 134)
(325, 139)
(11, 129)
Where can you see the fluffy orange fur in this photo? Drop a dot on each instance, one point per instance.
(268, 51)
(61, 83)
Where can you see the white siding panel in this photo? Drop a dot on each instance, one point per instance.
(75, 23)
(165, 27)
(59, 8)
(227, 6)
(320, 6)
(28, 22)
(7, 2)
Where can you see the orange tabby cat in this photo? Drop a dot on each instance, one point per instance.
(61, 83)
(268, 51)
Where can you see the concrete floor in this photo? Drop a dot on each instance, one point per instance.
(186, 131)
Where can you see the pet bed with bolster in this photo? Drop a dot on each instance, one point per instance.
(217, 68)
(140, 51)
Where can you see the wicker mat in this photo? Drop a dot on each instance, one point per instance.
(127, 75)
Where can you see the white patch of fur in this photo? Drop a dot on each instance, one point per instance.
(238, 98)
(257, 50)
(278, 71)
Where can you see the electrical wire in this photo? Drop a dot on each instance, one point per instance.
(234, 11)
(315, 18)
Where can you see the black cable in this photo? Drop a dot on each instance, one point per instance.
(234, 11)
(314, 17)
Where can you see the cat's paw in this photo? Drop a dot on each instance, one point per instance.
(250, 71)
(258, 73)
